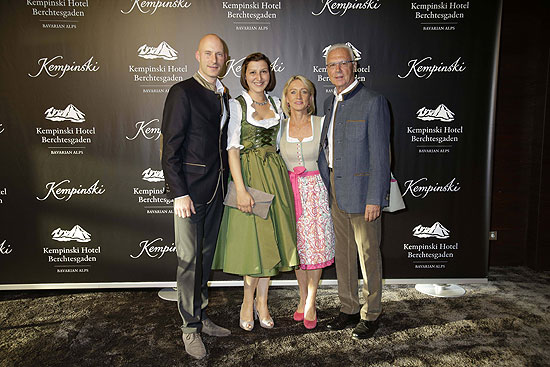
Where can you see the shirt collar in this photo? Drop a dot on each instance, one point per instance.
(340, 96)
(218, 88)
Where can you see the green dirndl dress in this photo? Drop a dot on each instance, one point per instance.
(248, 244)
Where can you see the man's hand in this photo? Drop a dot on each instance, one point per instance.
(183, 207)
(372, 212)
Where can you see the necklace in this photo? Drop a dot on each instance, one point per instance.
(260, 103)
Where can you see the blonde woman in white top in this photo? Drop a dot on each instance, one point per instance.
(299, 147)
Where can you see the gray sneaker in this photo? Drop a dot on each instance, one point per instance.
(194, 345)
(209, 328)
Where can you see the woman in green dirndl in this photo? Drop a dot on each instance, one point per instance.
(249, 245)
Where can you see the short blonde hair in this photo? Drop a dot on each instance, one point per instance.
(309, 86)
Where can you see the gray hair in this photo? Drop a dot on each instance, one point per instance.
(342, 45)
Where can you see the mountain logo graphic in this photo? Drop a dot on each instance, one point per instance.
(437, 231)
(356, 52)
(77, 233)
(441, 113)
(153, 176)
(70, 113)
(162, 51)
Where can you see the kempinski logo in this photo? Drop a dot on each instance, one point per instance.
(70, 113)
(152, 175)
(340, 8)
(162, 51)
(5, 248)
(420, 188)
(154, 249)
(435, 138)
(436, 230)
(234, 66)
(151, 7)
(53, 68)
(441, 113)
(144, 129)
(157, 77)
(77, 233)
(60, 191)
(356, 52)
(423, 69)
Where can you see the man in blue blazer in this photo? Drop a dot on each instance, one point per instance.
(194, 162)
(354, 164)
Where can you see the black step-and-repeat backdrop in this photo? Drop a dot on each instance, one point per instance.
(81, 99)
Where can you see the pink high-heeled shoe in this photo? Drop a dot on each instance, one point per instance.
(310, 324)
(298, 316)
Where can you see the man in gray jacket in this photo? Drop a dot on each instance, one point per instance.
(354, 164)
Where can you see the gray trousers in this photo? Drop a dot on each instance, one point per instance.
(195, 240)
(356, 237)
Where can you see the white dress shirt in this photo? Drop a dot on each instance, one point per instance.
(339, 97)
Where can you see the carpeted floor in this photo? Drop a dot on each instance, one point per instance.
(503, 323)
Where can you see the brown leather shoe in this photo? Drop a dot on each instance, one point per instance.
(194, 345)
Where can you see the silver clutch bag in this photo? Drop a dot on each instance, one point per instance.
(262, 200)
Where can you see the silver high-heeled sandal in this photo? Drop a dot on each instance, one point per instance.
(246, 325)
(265, 323)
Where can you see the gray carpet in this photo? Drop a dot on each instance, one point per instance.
(503, 323)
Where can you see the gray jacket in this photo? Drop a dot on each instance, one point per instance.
(361, 160)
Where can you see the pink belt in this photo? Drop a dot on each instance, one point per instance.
(299, 171)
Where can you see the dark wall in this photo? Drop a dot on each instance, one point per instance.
(520, 201)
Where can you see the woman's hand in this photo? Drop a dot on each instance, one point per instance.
(245, 202)
(244, 199)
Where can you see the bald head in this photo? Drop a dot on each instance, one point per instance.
(206, 39)
(211, 56)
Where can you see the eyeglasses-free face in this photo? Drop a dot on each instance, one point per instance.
(211, 57)
(298, 96)
(257, 76)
